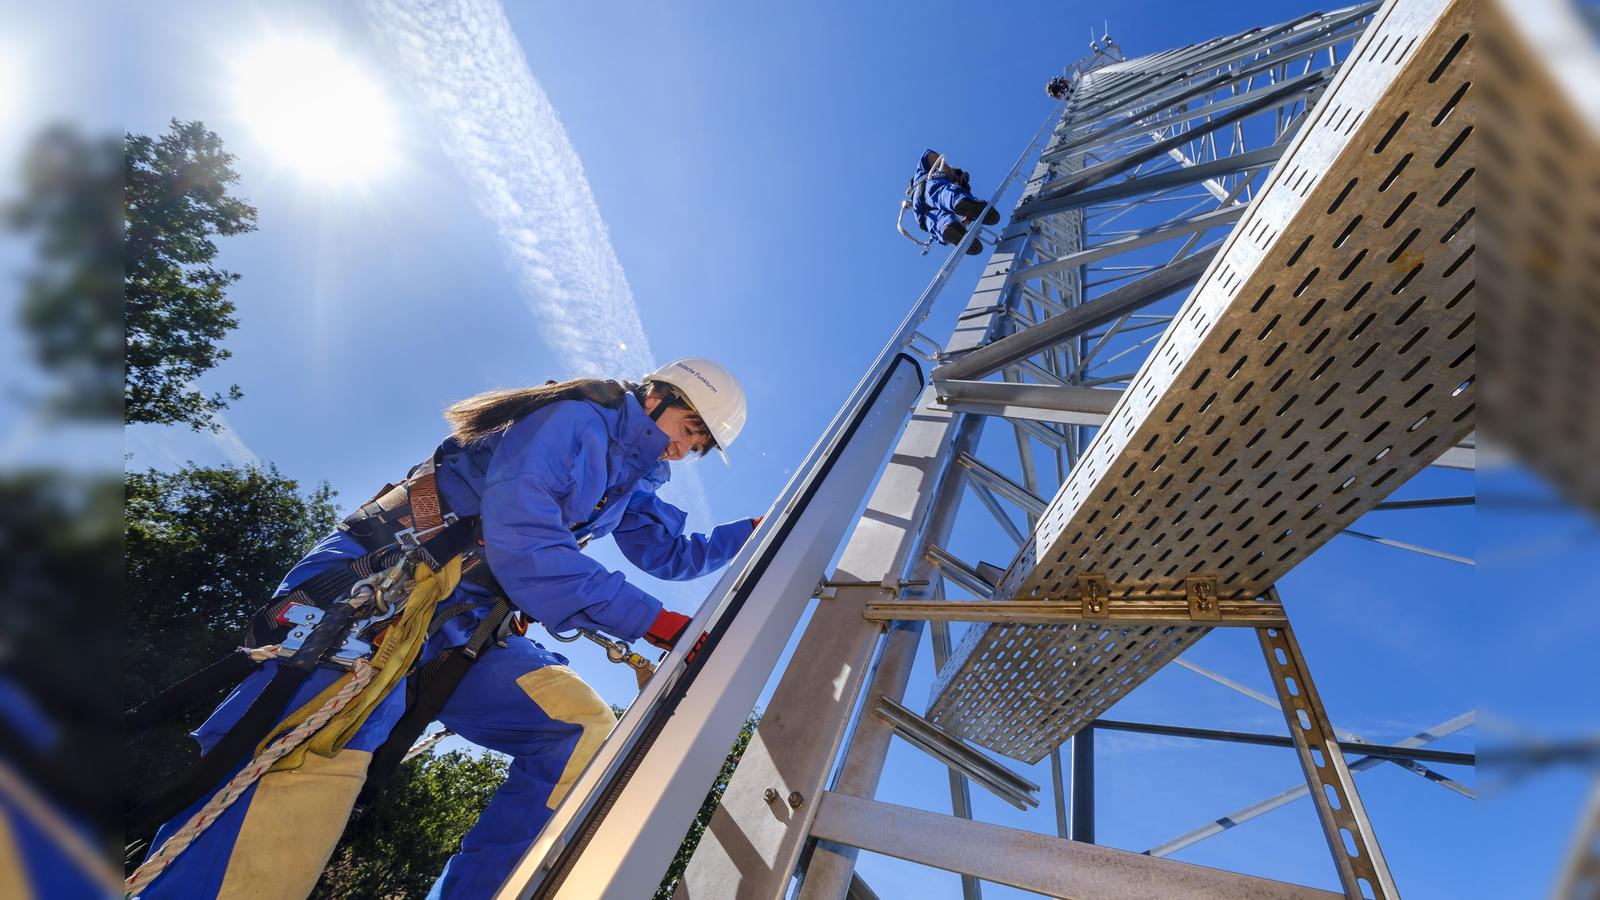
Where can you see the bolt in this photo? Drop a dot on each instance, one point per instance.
(795, 799)
(771, 795)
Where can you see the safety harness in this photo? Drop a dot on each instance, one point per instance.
(404, 525)
(916, 197)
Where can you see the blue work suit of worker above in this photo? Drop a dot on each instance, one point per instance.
(542, 478)
(941, 199)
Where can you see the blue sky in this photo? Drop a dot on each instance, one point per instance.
(743, 161)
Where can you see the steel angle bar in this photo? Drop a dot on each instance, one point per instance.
(1426, 503)
(1066, 404)
(1227, 215)
(1089, 177)
(953, 752)
(1148, 93)
(982, 473)
(1041, 375)
(957, 571)
(1079, 319)
(1229, 165)
(1413, 548)
(1039, 430)
(1139, 123)
(1355, 748)
(1289, 795)
(859, 889)
(992, 504)
(1031, 861)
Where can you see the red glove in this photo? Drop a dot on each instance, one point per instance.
(667, 628)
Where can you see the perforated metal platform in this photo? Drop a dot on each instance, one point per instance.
(1324, 358)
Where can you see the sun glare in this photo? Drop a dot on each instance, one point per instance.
(315, 110)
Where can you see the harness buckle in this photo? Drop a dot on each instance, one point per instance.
(300, 619)
(410, 539)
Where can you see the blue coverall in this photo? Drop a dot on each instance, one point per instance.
(570, 470)
(934, 202)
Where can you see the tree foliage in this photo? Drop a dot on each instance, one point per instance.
(396, 847)
(71, 306)
(204, 547)
(177, 308)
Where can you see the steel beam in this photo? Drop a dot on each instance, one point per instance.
(1199, 224)
(1259, 100)
(1066, 404)
(990, 477)
(1079, 319)
(953, 752)
(1031, 861)
(1146, 184)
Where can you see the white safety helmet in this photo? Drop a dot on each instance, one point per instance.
(713, 392)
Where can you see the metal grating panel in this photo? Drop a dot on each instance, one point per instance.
(1325, 357)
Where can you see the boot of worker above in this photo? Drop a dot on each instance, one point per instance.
(529, 476)
(941, 197)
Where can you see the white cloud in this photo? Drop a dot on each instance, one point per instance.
(497, 125)
(170, 447)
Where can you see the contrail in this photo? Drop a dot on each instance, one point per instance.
(463, 62)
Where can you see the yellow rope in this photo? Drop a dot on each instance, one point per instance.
(221, 800)
(326, 723)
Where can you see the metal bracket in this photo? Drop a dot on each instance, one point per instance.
(410, 539)
(1095, 595)
(1201, 592)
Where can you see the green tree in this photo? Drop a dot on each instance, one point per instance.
(70, 207)
(396, 847)
(204, 547)
(177, 308)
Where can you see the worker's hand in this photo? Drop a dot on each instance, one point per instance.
(667, 628)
